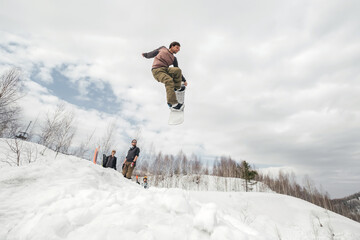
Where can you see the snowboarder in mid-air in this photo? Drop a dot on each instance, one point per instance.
(170, 76)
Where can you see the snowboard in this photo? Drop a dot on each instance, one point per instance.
(177, 117)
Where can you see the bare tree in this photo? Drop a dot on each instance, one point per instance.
(9, 95)
(31, 153)
(205, 170)
(138, 135)
(144, 167)
(227, 167)
(107, 140)
(310, 189)
(58, 131)
(16, 146)
(65, 134)
(84, 146)
(50, 127)
(177, 164)
(215, 169)
(196, 165)
(184, 164)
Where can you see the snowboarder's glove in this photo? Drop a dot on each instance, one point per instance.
(132, 164)
(123, 166)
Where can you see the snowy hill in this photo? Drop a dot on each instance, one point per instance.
(71, 198)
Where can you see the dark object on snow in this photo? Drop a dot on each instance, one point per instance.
(110, 162)
(23, 135)
(145, 183)
(132, 153)
(104, 160)
(128, 169)
(130, 160)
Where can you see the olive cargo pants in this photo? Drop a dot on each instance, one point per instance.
(171, 77)
(128, 170)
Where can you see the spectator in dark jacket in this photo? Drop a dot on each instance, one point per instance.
(110, 161)
(130, 160)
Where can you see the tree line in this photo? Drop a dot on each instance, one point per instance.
(162, 166)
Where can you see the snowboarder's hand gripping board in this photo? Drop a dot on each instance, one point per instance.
(177, 117)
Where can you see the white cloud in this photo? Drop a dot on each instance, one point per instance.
(45, 75)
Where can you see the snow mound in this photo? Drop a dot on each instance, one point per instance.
(206, 219)
(71, 198)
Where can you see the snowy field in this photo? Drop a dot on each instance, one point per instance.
(71, 198)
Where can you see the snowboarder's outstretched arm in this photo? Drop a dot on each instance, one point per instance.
(152, 53)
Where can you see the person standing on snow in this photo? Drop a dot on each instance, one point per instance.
(170, 76)
(110, 161)
(145, 183)
(130, 160)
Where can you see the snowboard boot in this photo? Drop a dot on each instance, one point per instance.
(180, 89)
(177, 107)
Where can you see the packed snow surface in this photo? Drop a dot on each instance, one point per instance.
(71, 198)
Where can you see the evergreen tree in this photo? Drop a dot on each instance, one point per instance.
(248, 174)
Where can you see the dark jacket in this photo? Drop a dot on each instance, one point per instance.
(110, 162)
(133, 151)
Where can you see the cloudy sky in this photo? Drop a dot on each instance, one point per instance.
(275, 83)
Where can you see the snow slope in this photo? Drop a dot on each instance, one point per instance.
(71, 198)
